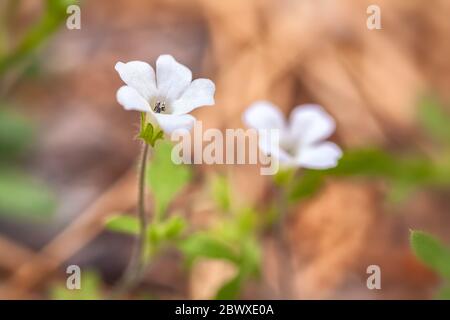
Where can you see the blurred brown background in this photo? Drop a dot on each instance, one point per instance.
(289, 52)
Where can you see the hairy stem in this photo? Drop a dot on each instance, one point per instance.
(136, 265)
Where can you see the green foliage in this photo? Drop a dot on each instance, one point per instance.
(231, 289)
(309, 183)
(434, 119)
(23, 197)
(431, 252)
(15, 134)
(221, 193)
(20, 195)
(148, 132)
(435, 255)
(123, 224)
(90, 289)
(404, 173)
(284, 176)
(168, 230)
(158, 232)
(444, 293)
(165, 178)
(203, 244)
(233, 240)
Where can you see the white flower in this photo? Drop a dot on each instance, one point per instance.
(168, 97)
(301, 141)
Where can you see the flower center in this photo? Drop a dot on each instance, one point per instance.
(160, 107)
(289, 145)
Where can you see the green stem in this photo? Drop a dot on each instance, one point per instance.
(285, 268)
(135, 268)
(284, 261)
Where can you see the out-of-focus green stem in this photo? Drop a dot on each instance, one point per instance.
(54, 15)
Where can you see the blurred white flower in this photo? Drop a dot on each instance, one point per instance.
(301, 141)
(168, 97)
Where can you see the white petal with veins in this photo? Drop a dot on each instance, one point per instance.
(130, 99)
(138, 75)
(199, 93)
(172, 77)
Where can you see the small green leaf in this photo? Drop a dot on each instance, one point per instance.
(146, 134)
(174, 227)
(158, 136)
(230, 290)
(166, 230)
(434, 119)
(166, 179)
(431, 252)
(123, 224)
(204, 245)
(250, 257)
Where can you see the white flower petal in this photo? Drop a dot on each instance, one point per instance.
(310, 123)
(270, 146)
(172, 77)
(138, 75)
(130, 99)
(169, 122)
(321, 156)
(199, 93)
(264, 115)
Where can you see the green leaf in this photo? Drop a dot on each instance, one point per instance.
(444, 293)
(149, 133)
(221, 192)
(434, 119)
(16, 134)
(90, 289)
(284, 176)
(405, 173)
(307, 185)
(204, 245)
(123, 224)
(166, 179)
(158, 136)
(369, 162)
(146, 133)
(431, 252)
(230, 290)
(166, 230)
(250, 257)
(24, 197)
(360, 162)
(173, 227)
